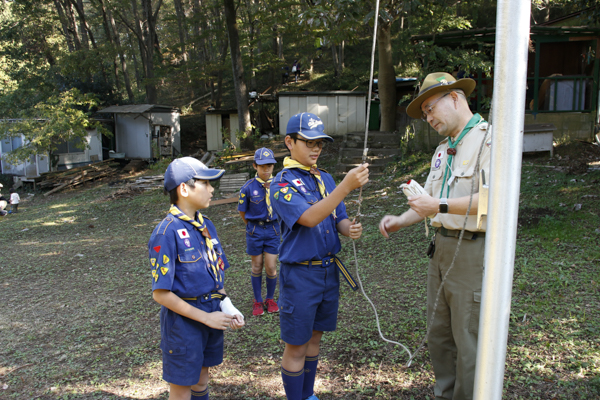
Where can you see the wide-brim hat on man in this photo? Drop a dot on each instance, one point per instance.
(185, 168)
(264, 156)
(307, 125)
(438, 82)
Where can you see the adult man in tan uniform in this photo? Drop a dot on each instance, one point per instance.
(453, 338)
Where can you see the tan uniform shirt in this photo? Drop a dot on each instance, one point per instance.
(461, 175)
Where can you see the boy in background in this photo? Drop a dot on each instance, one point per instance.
(311, 210)
(188, 266)
(262, 229)
(14, 200)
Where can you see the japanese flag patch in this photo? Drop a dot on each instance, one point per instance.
(438, 160)
(298, 182)
(183, 233)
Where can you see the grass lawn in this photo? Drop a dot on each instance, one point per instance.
(78, 321)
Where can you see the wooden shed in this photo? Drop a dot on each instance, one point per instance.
(341, 111)
(146, 131)
(218, 124)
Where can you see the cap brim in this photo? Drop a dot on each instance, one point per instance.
(315, 135)
(210, 174)
(266, 161)
(414, 108)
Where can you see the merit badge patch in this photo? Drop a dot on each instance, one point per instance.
(187, 242)
(242, 194)
(156, 248)
(284, 190)
(165, 259)
(164, 270)
(241, 201)
(465, 162)
(183, 233)
(288, 197)
(276, 195)
(153, 261)
(221, 264)
(303, 189)
(255, 193)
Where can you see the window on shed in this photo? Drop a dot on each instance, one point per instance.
(75, 145)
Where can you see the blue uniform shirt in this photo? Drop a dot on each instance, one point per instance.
(179, 260)
(253, 202)
(293, 191)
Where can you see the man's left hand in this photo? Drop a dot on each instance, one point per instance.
(424, 205)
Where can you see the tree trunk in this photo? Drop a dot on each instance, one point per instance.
(181, 28)
(386, 79)
(241, 95)
(336, 63)
(115, 33)
(342, 66)
(65, 25)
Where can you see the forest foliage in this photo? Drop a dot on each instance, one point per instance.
(113, 52)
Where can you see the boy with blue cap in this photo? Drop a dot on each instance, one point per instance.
(311, 210)
(262, 229)
(188, 266)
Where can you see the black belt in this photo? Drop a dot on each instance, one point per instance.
(331, 260)
(207, 296)
(262, 223)
(452, 233)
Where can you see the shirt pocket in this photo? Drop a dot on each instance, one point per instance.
(257, 199)
(250, 227)
(188, 257)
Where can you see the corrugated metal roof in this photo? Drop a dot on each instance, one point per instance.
(138, 109)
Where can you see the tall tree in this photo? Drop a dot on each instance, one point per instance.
(241, 92)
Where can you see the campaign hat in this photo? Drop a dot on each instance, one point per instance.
(307, 125)
(434, 83)
(185, 168)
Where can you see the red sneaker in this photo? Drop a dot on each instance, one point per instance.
(271, 306)
(258, 308)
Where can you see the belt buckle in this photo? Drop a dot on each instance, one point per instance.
(326, 261)
(206, 296)
(261, 223)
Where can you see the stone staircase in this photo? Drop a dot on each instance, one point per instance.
(383, 148)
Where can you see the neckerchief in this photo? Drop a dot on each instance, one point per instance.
(475, 120)
(267, 186)
(201, 226)
(288, 162)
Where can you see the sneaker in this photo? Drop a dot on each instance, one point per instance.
(312, 397)
(271, 306)
(258, 308)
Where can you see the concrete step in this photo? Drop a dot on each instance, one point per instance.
(382, 140)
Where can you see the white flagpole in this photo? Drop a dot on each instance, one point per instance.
(510, 78)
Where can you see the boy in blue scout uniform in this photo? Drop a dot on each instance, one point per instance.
(311, 210)
(262, 229)
(188, 267)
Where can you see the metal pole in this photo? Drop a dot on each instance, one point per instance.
(510, 77)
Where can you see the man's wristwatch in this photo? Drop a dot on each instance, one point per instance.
(443, 205)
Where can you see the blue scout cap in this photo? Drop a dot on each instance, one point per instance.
(186, 168)
(307, 125)
(264, 156)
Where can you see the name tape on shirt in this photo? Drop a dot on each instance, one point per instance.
(183, 233)
(214, 241)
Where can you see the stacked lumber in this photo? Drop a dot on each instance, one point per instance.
(232, 182)
(59, 180)
(148, 182)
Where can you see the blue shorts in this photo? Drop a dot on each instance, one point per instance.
(262, 237)
(308, 300)
(189, 345)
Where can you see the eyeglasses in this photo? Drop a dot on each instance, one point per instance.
(312, 143)
(429, 108)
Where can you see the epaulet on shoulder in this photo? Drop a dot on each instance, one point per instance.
(206, 217)
(324, 170)
(249, 181)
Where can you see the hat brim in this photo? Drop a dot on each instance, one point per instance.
(210, 174)
(265, 161)
(312, 135)
(414, 108)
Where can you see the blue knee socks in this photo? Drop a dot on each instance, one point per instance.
(200, 395)
(257, 286)
(292, 383)
(271, 285)
(310, 372)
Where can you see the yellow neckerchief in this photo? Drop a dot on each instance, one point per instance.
(267, 186)
(201, 225)
(288, 162)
